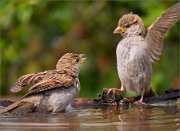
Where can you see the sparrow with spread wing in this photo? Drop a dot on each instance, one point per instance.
(140, 48)
(50, 91)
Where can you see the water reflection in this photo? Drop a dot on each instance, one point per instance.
(98, 119)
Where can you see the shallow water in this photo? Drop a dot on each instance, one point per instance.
(100, 119)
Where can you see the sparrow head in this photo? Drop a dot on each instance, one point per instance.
(129, 25)
(71, 63)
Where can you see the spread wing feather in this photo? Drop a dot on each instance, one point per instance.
(156, 31)
(28, 79)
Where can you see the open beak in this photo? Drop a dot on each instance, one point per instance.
(82, 58)
(119, 29)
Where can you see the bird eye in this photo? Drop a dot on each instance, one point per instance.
(127, 26)
(77, 60)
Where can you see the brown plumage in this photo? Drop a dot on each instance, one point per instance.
(58, 87)
(140, 48)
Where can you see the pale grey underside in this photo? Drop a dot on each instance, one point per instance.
(133, 64)
(57, 100)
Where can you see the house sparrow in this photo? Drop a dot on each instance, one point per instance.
(139, 49)
(50, 91)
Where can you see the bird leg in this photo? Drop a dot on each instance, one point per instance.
(140, 102)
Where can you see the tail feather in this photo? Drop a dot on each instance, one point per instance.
(150, 93)
(19, 108)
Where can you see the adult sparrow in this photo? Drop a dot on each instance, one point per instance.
(139, 48)
(50, 91)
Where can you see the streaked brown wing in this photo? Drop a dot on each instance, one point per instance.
(156, 31)
(56, 81)
(28, 79)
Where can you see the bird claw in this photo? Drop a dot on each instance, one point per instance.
(139, 102)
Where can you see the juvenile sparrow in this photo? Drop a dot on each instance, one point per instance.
(50, 91)
(140, 48)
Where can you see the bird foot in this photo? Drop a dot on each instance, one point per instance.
(113, 91)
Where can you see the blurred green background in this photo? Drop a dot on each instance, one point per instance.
(36, 33)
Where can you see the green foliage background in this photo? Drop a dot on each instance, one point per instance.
(36, 33)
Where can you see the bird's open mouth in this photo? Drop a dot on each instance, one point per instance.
(82, 57)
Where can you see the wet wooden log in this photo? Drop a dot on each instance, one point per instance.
(171, 97)
(170, 94)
